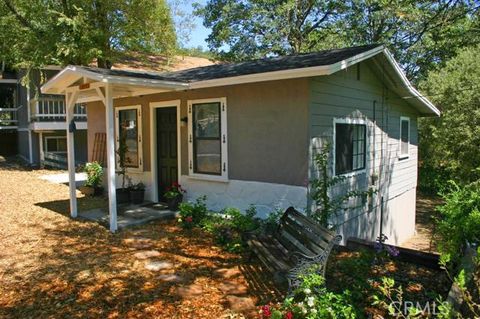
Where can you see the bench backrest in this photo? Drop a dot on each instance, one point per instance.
(299, 233)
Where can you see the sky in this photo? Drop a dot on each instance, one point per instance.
(199, 32)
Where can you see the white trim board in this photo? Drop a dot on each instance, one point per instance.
(223, 177)
(153, 143)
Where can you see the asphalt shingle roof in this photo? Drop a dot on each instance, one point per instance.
(225, 70)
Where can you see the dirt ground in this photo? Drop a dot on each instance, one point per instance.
(425, 236)
(54, 267)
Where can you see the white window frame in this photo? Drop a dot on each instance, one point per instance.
(54, 138)
(139, 137)
(223, 138)
(404, 155)
(367, 144)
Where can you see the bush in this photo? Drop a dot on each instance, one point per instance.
(460, 221)
(312, 300)
(192, 214)
(94, 174)
(229, 226)
(432, 180)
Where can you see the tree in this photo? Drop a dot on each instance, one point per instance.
(421, 34)
(40, 32)
(452, 141)
(257, 28)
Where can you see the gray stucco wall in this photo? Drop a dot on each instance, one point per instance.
(345, 96)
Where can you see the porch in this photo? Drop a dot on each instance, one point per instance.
(130, 214)
(82, 85)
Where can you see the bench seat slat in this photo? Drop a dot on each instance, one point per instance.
(271, 255)
(306, 239)
(322, 232)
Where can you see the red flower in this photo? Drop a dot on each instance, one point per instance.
(289, 315)
(189, 219)
(266, 311)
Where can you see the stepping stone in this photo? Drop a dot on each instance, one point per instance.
(230, 288)
(228, 273)
(241, 304)
(158, 265)
(139, 243)
(171, 278)
(147, 254)
(190, 291)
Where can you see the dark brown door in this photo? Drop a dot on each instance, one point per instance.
(166, 148)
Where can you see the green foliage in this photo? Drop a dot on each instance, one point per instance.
(460, 220)
(391, 299)
(328, 205)
(94, 174)
(422, 34)
(229, 226)
(192, 214)
(312, 300)
(41, 32)
(432, 180)
(451, 143)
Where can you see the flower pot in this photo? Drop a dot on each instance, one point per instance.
(137, 196)
(174, 202)
(87, 190)
(123, 195)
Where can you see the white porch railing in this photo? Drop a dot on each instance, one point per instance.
(48, 109)
(8, 118)
(55, 160)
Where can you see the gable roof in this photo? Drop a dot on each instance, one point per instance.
(274, 68)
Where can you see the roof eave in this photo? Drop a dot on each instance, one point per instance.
(431, 109)
(53, 87)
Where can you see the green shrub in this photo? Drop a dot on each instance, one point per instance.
(94, 174)
(312, 300)
(229, 226)
(460, 220)
(192, 214)
(432, 180)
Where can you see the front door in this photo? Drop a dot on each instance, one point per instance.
(166, 148)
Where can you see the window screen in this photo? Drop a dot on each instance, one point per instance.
(404, 136)
(350, 147)
(128, 126)
(207, 146)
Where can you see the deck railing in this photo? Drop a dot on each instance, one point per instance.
(50, 109)
(8, 118)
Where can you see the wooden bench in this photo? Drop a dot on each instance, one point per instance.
(295, 246)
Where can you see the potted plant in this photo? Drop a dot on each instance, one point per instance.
(123, 194)
(137, 193)
(94, 178)
(174, 196)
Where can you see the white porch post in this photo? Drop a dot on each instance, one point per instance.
(71, 98)
(40, 144)
(110, 125)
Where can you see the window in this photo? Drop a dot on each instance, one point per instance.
(350, 146)
(129, 127)
(56, 144)
(207, 138)
(404, 136)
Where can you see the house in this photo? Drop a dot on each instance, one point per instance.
(246, 133)
(32, 125)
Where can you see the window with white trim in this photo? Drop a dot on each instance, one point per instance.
(207, 138)
(404, 139)
(128, 125)
(56, 144)
(350, 139)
